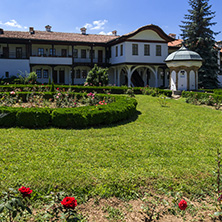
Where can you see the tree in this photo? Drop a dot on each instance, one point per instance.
(97, 76)
(198, 37)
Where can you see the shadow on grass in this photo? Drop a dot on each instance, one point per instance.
(122, 122)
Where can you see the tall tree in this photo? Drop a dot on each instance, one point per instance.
(198, 36)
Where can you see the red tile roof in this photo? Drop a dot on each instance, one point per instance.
(175, 43)
(58, 36)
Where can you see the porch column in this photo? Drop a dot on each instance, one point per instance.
(144, 76)
(115, 76)
(91, 55)
(129, 74)
(118, 76)
(164, 77)
(52, 74)
(72, 75)
(106, 56)
(156, 75)
(53, 54)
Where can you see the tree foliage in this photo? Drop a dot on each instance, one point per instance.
(198, 36)
(97, 76)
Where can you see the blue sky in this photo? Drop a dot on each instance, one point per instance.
(99, 16)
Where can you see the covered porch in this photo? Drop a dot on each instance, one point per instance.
(140, 75)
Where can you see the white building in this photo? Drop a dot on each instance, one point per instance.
(133, 59)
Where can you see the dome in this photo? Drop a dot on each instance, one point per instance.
(183, 54)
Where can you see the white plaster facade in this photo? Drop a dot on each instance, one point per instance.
(134, 59)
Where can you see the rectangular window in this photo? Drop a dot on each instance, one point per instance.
(39, 73)
(84, 74)
(18, 52)
(50, 52)
(40, 51)
(64, 52)
(5, 52)
(135, 49)
(146, 50)
(75, 53)
(83, 53)
(116, 51)
(158, 50)
(121, 50)
(77, 72)
(45, 74)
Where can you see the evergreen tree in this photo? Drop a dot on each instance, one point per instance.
(97, 76)
(198, 37)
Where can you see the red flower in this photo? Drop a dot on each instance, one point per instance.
(25, 191)
(182, 204)
(220, 198)
(69, 202)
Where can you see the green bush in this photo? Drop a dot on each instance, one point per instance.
(7, 116)
(124, 107)
(33, 117)
(97, 76)
(86, 89)
(69, 118)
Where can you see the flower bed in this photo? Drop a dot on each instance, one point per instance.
(87, 89)
(122, 108)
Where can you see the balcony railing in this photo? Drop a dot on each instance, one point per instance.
(13, 55)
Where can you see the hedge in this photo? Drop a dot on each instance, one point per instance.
(201, 95)
(79, 117)
(86, 89)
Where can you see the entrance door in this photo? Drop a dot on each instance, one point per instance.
(100, 56)
(62, 76)
(5, 52)
(55, 80)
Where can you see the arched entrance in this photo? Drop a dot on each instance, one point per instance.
(143, 76)
(123, 77)
(136, 79)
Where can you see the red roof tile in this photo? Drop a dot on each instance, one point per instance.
(175, 43)
(58, 36)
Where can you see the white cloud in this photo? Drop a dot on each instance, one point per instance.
(104, 33)
(88, 25)
(99, 25)
(95, 25)
(13, 23)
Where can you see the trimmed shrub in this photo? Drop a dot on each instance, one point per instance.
(33, 117)
(122, 108)
(69, 118)
(7, 116)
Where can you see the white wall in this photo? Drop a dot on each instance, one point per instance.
(192, 80)
(148, 35)
(173, 81)
(140, 58)
(182, 80)
(13, 66)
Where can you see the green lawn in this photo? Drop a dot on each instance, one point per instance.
(170, 147)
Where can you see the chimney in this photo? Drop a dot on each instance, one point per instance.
(48, 28)
(172, 35)
(114, 33)
(1, 31)
(31, 30)
(83, 30)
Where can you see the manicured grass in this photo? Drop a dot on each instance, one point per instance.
(169, 148)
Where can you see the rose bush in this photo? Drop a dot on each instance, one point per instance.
(182, 204)
(25, 191)
(69, 202)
